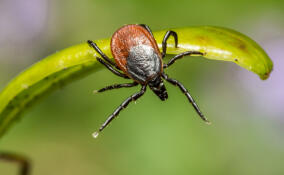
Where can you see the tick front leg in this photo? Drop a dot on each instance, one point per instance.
(166, 37)
(123, 105)
(106, 58)
(21, 160)
(116, 72)
(116, 86)
(179, 56)
(185, 91)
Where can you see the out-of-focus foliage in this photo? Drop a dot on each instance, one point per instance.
(151, 137)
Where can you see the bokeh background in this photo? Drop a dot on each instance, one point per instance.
(150, 137)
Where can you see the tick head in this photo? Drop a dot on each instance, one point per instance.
(158, 87)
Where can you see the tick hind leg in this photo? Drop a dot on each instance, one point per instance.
(123, 105)
(106, 58)
(185, 91)
(108, 64)
(147, 28)
(21, 160)
(113, 70)
(164, 42)
(166, 37)
(179, 56)
(116, 86)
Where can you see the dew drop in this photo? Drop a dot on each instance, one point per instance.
(208, 122)
(95, 134)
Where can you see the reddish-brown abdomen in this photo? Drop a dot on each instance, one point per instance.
(127, 37)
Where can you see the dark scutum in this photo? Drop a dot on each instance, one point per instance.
(143, 63)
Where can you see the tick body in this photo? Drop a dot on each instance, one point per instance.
(138, 57)
(136, 53)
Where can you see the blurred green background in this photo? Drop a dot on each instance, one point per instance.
(150, 137)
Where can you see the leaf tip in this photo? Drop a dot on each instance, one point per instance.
(265, 75)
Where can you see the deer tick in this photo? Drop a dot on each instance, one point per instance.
(137, 57)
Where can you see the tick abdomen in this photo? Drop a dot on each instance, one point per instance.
(136, 53)
(143, 63)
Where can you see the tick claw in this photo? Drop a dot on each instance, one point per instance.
(95, 134)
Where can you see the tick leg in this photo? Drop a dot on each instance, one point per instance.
(116, 86)
(123, 105)
(116, 72)
(22, 161)
(147, 28)
(179, 56)
(185, 91)
(94, 45)
(166, 37)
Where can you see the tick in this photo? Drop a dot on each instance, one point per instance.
(137, 57)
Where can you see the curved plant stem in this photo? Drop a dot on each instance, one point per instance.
(78, 61)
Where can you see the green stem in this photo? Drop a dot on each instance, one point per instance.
(78, 61)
